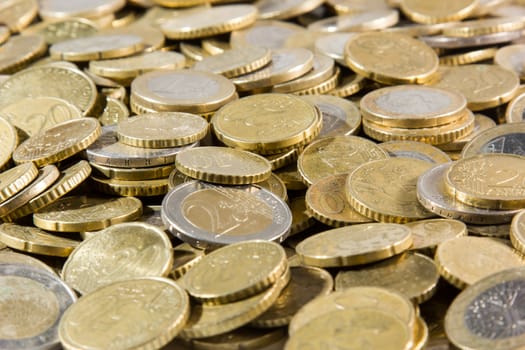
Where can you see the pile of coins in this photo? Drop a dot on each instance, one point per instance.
(316, 174)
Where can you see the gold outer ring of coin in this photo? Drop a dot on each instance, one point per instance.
(19, 51)
(131, 188)
(414, 149)
(15, 179)
(349, 86)
(517, 234)
(486, 141)
(132, 174)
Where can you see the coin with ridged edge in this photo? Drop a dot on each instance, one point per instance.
(133, 188)
(15, 179)
(234, 62)
(421, 11)
(504, 138)
(19, 51)
(517, 232)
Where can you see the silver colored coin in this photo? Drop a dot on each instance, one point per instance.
(204, 214)
(333, 45)
(32, 282)
(449, 42)
(368, 20)
(107, 150)
(504, 138)
(432, 194)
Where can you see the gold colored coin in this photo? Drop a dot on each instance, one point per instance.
(409, 61)
(152, 36)
(69, 179)
(515, 111)
(468, 57)
(422, 11)
(481, 123)
(428, 234)
(185, 257)
(96, 47)
(51, 81)
(517, 232)
(326, 202)
(306, 283)
(286, 64)
(235, 272)
(162, 130)
(207, 21)
(354, 245)
(412, 106)
(244, 337)
(18, 14)
(270, 34)
(34, 240)
(58, 9)
(4, 34)
(336, 155)
(291, 178)
(58, 142)
(260, 124)
(373, 19)
(133, 174)
(353, 329)
(464, 261)
(301, 219)
(9, 137)
(121, 252)
(158, 305)
(65, 29)
(15, 179)
(483, 85)
(114, 112)
(461, 126)
(215, 46)
(35, 114)
(421, 334)
(501, 231)
(269, 9)
(275, 185)
(82, 213)
(235, 62)
(348, 86)
(323, 87)
(131, 188)
(46, 177)
(365, 297)
(19, 51)
(484, 26)
(504, 138)
(209, 320)
(188, 91)
(223, 165)
(385, 190)
(416, 150)
(470, 323)
(322, 69)
(8, 257)
(413, 275)
(492, 181)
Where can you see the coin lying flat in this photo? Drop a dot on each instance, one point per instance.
(421, 11)
(271, 34)
(65, 29)
(18, 14)
(57, 9)
(8, 257)
(416, 150)
(46, 296)
(431, 232)
(20, 51)
(358, 22)
(269, 9)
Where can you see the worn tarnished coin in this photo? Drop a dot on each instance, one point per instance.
(428, 234)
(123, 251)
(509, 57)
(158, 305)
(33, 302)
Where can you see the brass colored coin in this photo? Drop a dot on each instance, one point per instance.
(133, 174)
(326, 202)
(493, 231)
(421, 334)
(433, 195)
(301, 220)
(409, 61)
(483, 85)
(50, 81)
(184, 258)
(209, 320)
(158, 305)
(15, 179)
(470, 322)
(223, 165)
(492, 181)
(484, 26)
(34, 240)
(121, 252)
(260, 123)
(96, 47)
(374, 19)
(468, 57)
(193, 53)
(348, 86)
(44, 294)
(18, 14)
(8, 257)
(138, 188)
(461, 126)
(340, 116)
(323, 87)
(235, 62)
(269, 9)
(152, 36)
(412, 106)
(69, 179)
(413, 275)
(356, 6)
(306, 283)
(235, 272)
(58, 9)
(291, 177)
(162, 130)
(415, 150)
(481, 123)
(385, 190)
(353, 329)
(286, 64)
(46, 177)
(65, 29)
(182, 90)
(428, 234)
(515, 111)
(466, 260)
(270, 34)
(114, 112)
(421, 11)
(19, 51)
(365, 297)
(517, 232)
(336, 155)
(36, 114)
(451, 42)
(354, 245)
(275, 185)
(133, 66)
(108, 151)
(58, 142)
(322, 69)
(504, 138)
(82, 213)
(244, 337)
(510, 56)
(207, 21)
(215, 46)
